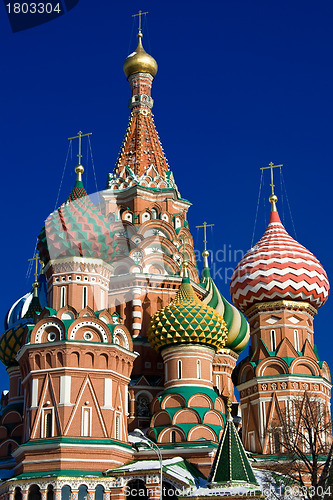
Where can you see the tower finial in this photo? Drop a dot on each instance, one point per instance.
(205, 252)
(35, 283)
(79, 168)
(140, 13)
(205, 225)
(273, 197)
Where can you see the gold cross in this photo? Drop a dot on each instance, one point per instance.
(36, 259)
(205, 225)
(79, 136)
(140, 14)
(271, 166)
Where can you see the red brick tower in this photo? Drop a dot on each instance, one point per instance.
(279, 285)
(149, 217)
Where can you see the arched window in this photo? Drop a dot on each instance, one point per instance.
(19, 386)
(50, 492)
(178, 223)
(17, 494)
(137, 489)
(277, 442)
(273, 340)
(9, 449)
(34, 492)
(198, 368)
(66, 492)
(169, 492)
(154, 213)
(48, 424)
(142, 406)
(296, 340)
(99, 492)
(173, 436)
(85, 297)
(62, 296)
(117, 430)
(83, 492)
(218, 383)
(179, 368)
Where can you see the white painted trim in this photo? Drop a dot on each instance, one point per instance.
(70, 460)
(108, 393)
(86, 410)
(65, 390)
(283, 378)
(194, 379)
(48, 370)
(34, 393)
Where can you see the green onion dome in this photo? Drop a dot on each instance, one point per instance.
(77, 229)
(187, 320)
(238, 327)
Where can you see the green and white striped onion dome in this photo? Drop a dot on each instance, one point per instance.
(238, 327)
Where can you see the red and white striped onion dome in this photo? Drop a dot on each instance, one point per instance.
(278, 268)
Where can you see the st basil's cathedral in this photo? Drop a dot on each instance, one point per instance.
(125, 350)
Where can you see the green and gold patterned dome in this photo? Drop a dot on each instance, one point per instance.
(10, 343)
(187, 320)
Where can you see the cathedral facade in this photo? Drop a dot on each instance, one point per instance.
(122, 336)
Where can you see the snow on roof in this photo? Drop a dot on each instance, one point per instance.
(175, 467)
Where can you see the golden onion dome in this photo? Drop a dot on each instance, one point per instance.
(187, 320)
(139, 61)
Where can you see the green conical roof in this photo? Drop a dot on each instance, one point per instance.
(78, 191)
(231, 465)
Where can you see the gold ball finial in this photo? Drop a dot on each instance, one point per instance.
(205, 253)
(273, 200)
(185, 264)
(139, 61)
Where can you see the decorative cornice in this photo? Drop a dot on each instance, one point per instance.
(280, 304)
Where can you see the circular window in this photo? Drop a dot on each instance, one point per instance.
(88, 336)
(51, 337)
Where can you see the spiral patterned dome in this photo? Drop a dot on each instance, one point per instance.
(187, 320)
(277, 268)
(238, 327)
(77, 229)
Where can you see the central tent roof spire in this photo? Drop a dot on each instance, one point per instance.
(141, 160)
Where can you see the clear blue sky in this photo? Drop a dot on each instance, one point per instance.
(240, 83)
